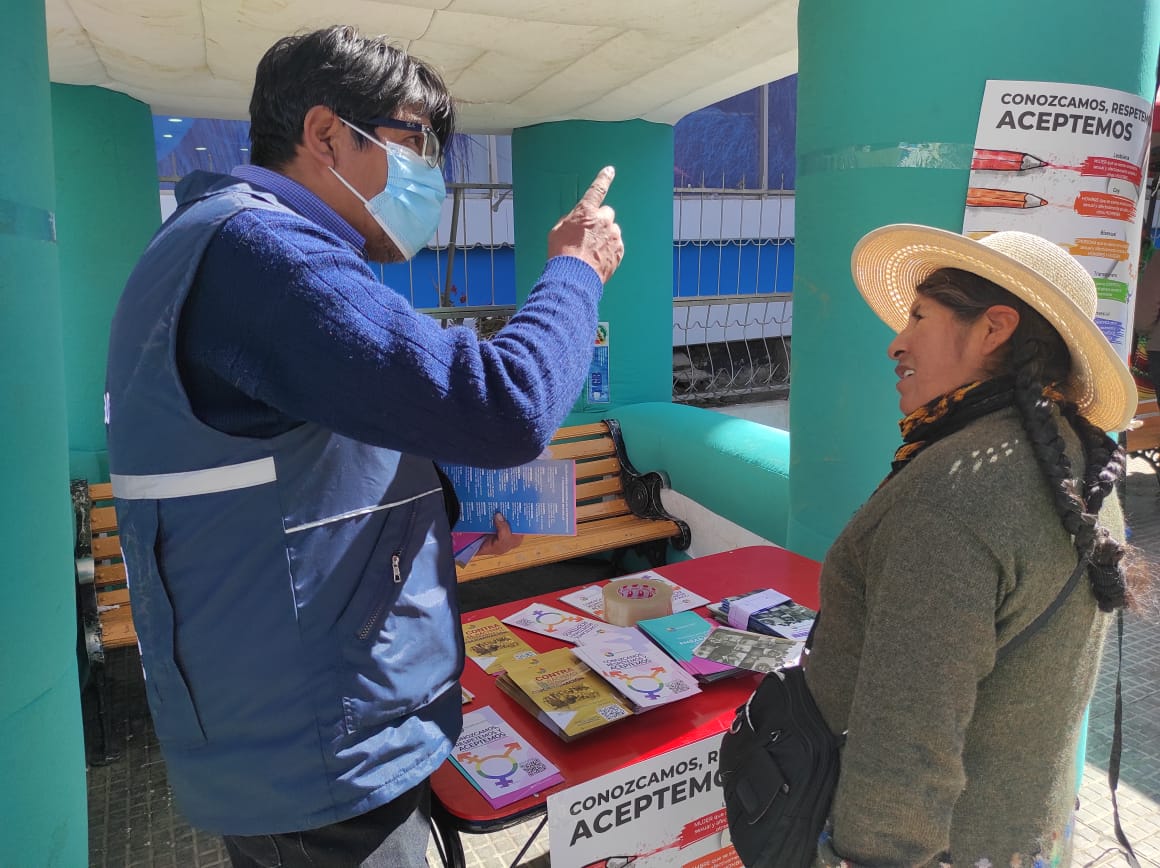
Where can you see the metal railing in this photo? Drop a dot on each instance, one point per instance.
(732, 308)
(736, 348)
(733, 305)
(485, 320)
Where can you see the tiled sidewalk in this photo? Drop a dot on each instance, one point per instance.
(133, 824)
(1139, 792)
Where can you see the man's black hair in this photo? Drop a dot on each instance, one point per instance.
(355, 76)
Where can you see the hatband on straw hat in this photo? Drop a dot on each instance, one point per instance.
(890, 262)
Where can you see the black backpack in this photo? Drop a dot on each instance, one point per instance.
(779, 764)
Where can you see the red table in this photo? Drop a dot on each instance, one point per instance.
(458, 807)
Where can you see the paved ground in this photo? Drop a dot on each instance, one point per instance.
(132, 821)
(1139, 792)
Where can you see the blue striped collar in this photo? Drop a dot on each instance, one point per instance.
(303, 201)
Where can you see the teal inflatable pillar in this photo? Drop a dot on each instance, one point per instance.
(43, 814)
(880, 83)
(552, 165)
(107, 208)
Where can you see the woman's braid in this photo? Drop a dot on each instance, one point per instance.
(1077, 507)
(1105, 465)
(1045, 438)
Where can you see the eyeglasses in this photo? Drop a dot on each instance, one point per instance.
(431, 151)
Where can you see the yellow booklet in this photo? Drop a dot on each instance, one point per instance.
(563, 693)
(492, 644)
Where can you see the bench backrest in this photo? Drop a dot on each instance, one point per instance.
(1147, 434)
(109, 619)
(599, 487)
(108, 568)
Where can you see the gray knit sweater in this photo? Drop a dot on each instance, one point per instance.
(946, 751)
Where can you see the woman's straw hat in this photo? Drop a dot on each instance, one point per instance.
(890, 262)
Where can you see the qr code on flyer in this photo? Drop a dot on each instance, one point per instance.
(611, 712)
(534, 766)
(678, 686)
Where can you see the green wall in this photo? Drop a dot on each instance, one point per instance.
(733, 467)
(107, 208)
(873, 75)
(43, 818)
(552, 165)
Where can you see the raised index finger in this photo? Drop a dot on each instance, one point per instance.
(598, 189)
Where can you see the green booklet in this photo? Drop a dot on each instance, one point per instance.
(678, 635)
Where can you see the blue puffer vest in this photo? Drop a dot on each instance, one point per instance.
(294, 597)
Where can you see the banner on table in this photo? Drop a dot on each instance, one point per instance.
(666, 811)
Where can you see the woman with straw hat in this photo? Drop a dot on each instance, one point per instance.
(958, 747)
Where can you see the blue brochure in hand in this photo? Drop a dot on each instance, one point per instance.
(538, 497)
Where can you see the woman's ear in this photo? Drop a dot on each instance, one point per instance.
(1001, 321)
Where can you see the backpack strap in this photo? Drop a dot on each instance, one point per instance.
(1044, 616)
(1117, 745)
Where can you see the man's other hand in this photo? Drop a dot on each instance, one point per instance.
(503, 540)
(589, 231)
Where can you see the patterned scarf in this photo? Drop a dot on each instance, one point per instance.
(952, 412)
(949, 413)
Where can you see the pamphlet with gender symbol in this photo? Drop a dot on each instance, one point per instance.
(565, 626)
(636, 667)
(498, 761)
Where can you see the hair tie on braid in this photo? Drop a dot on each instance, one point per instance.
(1109, 583)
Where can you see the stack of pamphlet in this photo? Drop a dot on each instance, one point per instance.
(678, 635)
(565, 626)
(745, 650)
(637, 669)
(563, 693)
(490, 644)
(498, 761)
(590, 599)
(766, 611)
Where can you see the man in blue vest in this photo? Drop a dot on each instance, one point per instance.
(273, 415)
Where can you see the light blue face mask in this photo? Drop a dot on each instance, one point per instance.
(409, 207)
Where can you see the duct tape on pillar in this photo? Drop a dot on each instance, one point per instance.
(890, 155)
(27, 221)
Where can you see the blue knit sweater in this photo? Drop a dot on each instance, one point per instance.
(286, 323)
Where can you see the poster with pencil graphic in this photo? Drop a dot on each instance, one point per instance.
(1067, 162)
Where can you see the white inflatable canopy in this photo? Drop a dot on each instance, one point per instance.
(510, 62)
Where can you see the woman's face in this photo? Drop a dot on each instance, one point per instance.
(936, 353)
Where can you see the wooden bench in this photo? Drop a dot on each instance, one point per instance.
(617, 507)
(102, 590)
(1143, 435)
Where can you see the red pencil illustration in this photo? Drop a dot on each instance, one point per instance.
(989, 197)
(1005, 161)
